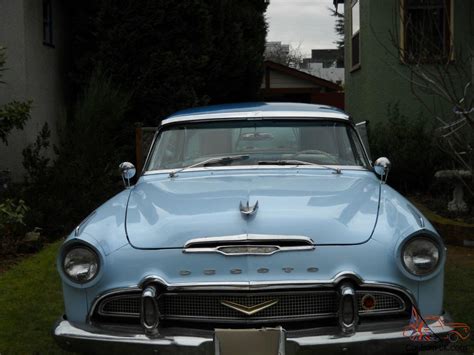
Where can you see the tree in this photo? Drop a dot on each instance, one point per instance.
(13, 115)
(171, 55)
(338, 27)
(285, 54)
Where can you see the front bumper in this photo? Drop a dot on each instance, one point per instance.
(386, 337)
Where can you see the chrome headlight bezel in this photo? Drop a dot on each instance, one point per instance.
(426, 243)
(87, 251)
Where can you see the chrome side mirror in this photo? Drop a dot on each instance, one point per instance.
(382, 168)
(128, 171)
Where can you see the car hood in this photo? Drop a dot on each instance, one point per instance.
(165, 212)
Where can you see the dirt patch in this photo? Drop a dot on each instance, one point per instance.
(461, 256)
(8, 261)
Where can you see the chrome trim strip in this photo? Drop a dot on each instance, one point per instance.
(419, 218)
(80, 226)
(221, 249)
(258, 167)
(249, 238)
(249, 310)
(261, 115)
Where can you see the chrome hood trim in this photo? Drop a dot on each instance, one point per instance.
(248, 244)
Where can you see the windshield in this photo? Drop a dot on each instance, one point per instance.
(318, 142)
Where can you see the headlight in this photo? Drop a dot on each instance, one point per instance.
(81, 264)
(421, 255)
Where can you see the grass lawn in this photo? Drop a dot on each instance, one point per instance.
(459, 287)
(30, 302)
(31, 299)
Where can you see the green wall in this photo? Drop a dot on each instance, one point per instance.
(380, 79)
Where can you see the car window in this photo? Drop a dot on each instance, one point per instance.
(316, 141)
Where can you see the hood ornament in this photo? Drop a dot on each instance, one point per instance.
(248, 210)
(249, 310)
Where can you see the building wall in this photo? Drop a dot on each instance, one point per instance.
(334, 74)
(34, 72)
(280, 80)
(381, 79)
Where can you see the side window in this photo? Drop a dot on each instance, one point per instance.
(426, 28)
(47, 23)
(355, 33)
(172, 143)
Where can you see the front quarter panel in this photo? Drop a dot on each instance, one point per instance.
(104, 231)
(398, 221)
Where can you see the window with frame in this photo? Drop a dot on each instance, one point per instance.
(355, 33)
(47, 23)
(426, 31)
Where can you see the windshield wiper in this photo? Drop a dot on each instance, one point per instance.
(296, 163)
(215, 160)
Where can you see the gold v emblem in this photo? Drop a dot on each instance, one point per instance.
(249, 310)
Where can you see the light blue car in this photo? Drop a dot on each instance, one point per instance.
(252, 217)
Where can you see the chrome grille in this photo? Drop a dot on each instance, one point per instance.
(384, 302)
(294, 305)
(125, 305)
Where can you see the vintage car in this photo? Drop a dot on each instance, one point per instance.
(247, 218)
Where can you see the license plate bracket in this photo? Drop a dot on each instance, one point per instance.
(264, 341)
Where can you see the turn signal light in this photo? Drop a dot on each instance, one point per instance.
(368, 302)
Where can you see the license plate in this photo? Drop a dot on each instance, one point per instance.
(265, 341)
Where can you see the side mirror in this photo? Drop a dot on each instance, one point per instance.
(382, 168)
(128, 171)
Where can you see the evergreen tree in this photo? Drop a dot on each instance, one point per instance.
(171, 55)
(338, 27)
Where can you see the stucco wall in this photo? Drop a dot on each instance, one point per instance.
(34, 72)
(381, 79)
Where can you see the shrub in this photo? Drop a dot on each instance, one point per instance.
(410, 144)
(13, 115)
(12, 225)
(96, 139)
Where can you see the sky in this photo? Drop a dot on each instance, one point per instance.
(304, 23)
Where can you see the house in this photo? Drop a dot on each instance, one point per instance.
(282, 83)
(388, 41)
(33, 32)
(326, 63)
